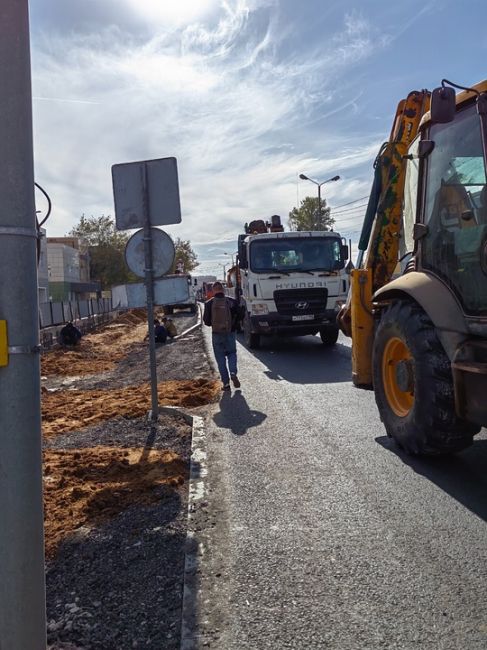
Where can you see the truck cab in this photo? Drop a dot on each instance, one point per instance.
(292, 284)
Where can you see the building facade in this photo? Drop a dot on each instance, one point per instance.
(69, 270)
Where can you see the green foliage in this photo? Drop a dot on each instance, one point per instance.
(185, 259)
(106, 248)
(308, 217)
(100, 231)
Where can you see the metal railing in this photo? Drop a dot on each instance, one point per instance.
(86, 314)
(57, 313)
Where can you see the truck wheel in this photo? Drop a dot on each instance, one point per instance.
(413, 384)
(192, 309)
(168, 309)
(252, 340)
(329, 334)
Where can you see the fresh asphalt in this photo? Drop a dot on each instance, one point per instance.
(319, 532)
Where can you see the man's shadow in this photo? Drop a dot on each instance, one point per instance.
(236, 415)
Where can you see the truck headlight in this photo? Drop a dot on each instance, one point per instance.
(259, 308)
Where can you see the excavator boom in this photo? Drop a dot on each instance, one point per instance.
(379, 241)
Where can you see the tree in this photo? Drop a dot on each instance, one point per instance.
(106, 248)
(185, 259)
(308, 217)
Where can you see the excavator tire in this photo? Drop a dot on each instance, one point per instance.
(252, 340)
(413, 384)
(329, 335)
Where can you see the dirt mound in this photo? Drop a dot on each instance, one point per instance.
(99, 351)
(133, 317)
(86, 486)
(62, 411)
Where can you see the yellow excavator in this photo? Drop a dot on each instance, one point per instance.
(417, 307)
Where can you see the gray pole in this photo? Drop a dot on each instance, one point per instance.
(149, 285)
(22, 597)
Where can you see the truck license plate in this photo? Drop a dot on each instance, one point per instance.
(304, 317)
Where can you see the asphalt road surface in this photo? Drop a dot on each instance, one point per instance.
(320, 532)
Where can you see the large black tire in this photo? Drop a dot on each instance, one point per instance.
(429, 424)
(329, 334)
(251, 339)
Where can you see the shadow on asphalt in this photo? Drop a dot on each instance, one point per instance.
(463, 476)
(304, 360)
(236, 415)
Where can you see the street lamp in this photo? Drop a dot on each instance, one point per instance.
(230, 255)
(224, 270)
(306, 178)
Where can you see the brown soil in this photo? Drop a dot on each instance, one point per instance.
(70, 410)
(98, 351)
(88, 486)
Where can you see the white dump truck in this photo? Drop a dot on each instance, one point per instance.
(290, 283)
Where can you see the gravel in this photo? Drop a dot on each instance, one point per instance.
(118, 585)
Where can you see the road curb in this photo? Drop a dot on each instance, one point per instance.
(190, 329)
(193, 549)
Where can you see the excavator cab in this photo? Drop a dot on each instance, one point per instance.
(419, 335)
(454, 210)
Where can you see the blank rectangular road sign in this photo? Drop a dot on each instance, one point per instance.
(169, 290)
(131, 194)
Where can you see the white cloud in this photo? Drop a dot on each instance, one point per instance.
(215, 95)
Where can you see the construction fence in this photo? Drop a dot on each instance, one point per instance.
(86, 314)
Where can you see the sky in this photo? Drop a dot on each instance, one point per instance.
(246, 94)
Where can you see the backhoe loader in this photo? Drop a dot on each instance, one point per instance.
(417, 306)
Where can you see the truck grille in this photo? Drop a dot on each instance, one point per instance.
(300, 301)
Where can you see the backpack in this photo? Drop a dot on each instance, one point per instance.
(221, 316)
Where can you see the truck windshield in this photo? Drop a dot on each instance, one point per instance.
(296, 254)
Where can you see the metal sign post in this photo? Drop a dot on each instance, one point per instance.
(149, 286)
(146, 194)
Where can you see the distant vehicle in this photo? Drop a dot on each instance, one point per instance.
(199, 281)
(190, 304)
(208, 290)
(290, 283)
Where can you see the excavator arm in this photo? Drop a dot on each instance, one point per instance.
(381, 230)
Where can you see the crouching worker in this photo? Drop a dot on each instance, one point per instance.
(160, 332)
(170, 327)
(222, 315)
(69, 335)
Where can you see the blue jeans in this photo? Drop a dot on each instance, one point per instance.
(225, 347)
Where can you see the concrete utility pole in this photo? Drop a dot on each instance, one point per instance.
(22, 593)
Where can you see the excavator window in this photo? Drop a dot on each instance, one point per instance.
(410, 200)
(455, 209)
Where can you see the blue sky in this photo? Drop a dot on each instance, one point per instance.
(246, 94)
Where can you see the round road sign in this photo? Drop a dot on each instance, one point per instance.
(163, 253)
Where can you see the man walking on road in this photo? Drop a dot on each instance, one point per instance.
(222, 315)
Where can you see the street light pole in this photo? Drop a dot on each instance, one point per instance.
(230, 255)
(306, 178)
(224, 270)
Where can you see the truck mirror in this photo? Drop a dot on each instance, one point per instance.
(338, 265)
(443, 105)
(242, 253)
(344, 252)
